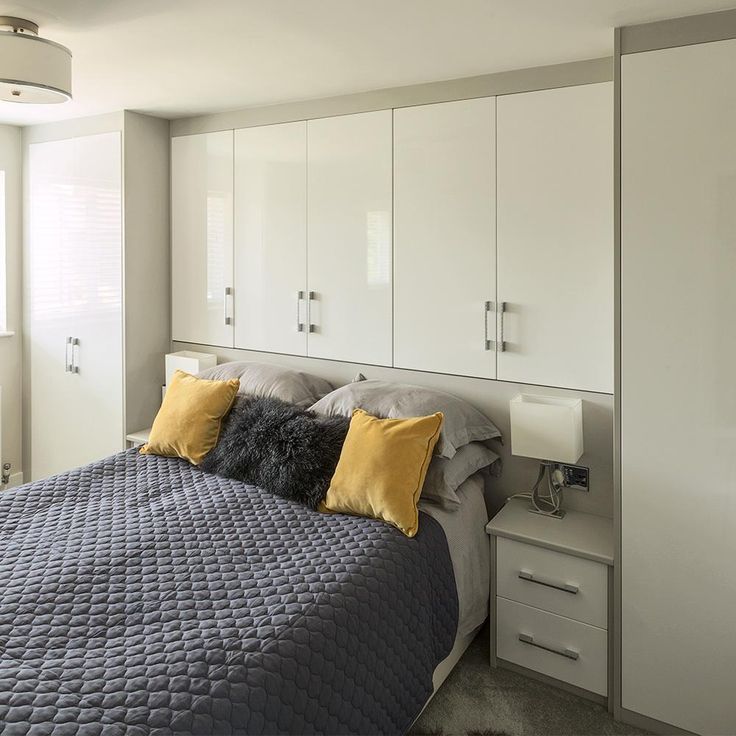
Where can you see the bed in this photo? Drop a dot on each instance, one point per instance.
(141, 595)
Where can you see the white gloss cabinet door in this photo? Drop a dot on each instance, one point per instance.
(555, 237)
(75, 292)
(202, 238)
(444, 237)
(349, 173)
(271, 238)
(678, 394)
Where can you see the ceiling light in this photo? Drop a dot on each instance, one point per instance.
(32, 69)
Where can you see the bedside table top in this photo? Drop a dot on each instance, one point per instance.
(140, 436)
(578, 534)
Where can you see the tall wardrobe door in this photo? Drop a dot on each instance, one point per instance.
(555, 237)
(202, 238)
(271, 238)
(75, 269)
(349, 237)
(444, 237)
(678, 394)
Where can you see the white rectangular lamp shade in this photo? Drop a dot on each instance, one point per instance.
(547, 428)
(189, 362)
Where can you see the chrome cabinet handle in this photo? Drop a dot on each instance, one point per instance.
(567, 652)
(501, 344)
(490, 344)
(67, 357)
(75, 355)
(311, 296)
(299, 323)
(565, 587)
(228, 292)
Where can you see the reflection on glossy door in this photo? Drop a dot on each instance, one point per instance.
(271, 238)
(75, 271)
(202, 238)
(349, 237)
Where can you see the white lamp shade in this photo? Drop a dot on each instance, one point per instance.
(547, 428)
(34, 69)
(189, 362)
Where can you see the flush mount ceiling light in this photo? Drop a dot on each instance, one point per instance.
(32, 69)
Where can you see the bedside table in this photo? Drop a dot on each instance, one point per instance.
(551, 598)
(136, 439)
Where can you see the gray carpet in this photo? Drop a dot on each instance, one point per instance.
(478, 701)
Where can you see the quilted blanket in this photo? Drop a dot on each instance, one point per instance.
(140, 595)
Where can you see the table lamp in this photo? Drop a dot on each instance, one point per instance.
(551, 430)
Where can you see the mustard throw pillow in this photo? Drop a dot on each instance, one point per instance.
(188, 422)
(382, 468)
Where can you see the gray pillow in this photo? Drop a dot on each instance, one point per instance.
(273, 381)
(463, 422)
(445, 476)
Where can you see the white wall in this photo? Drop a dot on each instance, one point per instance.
(10, 347)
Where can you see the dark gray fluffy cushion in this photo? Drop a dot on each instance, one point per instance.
(279, 447)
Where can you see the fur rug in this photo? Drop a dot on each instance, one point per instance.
(279, 447)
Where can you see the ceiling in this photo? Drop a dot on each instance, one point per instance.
(176, 58)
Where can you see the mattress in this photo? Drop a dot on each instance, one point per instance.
(465, 530)
(141, 596)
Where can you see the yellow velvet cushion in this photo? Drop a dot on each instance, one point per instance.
(382, 468)
(188, 422)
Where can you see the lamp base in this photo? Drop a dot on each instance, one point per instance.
(559, 514)
(551, 504)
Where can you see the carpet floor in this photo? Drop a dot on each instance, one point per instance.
(476, 700)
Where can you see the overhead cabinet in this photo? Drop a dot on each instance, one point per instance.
(202, 238)
(349, 170)
(555, 237)
(471, 237)
(271, 238)
(445, 237)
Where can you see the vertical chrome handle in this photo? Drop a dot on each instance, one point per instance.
(567, 652)
(501, 344)
(228, 292)
(299, 323)
(489, 344)
(312, 296)
(67, 356)
(75, 355)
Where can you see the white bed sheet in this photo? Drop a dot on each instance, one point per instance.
(467, 540)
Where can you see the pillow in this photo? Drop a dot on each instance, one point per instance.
(262, 379)
(445, 476)
(279, 447)
(382, 468)
(188, 423)
(463, 423)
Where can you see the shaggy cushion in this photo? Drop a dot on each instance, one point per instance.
(279, 447)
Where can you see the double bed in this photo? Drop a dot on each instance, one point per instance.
(141, 595)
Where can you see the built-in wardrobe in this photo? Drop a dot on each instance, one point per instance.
(470, 237)
(96, 265)
(677, 396)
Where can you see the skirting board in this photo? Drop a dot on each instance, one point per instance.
(648, 724)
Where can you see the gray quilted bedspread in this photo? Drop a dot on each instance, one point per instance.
(140, 595)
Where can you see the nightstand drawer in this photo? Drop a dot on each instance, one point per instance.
(560, 583)
(555, 646)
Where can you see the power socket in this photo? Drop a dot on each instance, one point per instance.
(576, 477)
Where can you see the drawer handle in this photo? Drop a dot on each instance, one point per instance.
(565, 587)
(568, 653)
